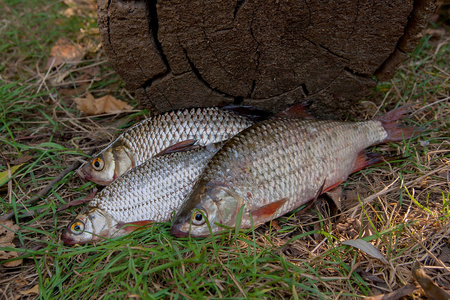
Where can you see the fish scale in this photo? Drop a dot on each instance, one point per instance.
(311, 169)
(277, 165)
(155, 189)
(137, 144)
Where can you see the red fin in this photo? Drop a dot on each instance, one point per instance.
(265, 212)
(395, 131)
(78, 202)
(296, 111)
(329, 188)
(180, 146)
(132, 226)
(253, 113)
(366, 159)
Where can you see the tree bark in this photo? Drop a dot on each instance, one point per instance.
(269, 54)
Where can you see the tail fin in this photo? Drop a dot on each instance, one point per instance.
(396, 131)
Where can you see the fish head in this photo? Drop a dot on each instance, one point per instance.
(206, 209)
(108, 165)
(90, 226)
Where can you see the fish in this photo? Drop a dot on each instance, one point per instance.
(199, 126)
(278, 165)
(149, 193)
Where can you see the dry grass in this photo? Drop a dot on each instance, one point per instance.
(406, 215)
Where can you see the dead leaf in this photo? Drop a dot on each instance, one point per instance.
(65, 51)
(367, 248)
(429, 287)
(7, 231)
(67, 93)
(21, 160)
(4, 176)
(33, 290)
(404, 291)
(275, 225)
(104, 105)
(92, 70)
(336, 195)
(80, 8)
(13, 263)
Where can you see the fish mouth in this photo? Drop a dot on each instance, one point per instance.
(177, 232)
(82, 174)
(67, 239)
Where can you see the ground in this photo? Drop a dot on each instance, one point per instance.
(301, 255)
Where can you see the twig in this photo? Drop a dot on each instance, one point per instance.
(47, 188)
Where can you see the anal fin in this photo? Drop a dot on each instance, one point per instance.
(365, 159)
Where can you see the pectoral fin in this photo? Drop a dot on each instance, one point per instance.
(263, 214)
(132, 226)
(296, 111)
(181, 146)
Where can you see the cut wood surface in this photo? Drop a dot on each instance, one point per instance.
(270, 54)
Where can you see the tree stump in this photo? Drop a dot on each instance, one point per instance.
(270, 54)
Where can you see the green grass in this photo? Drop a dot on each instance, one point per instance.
(302, 259)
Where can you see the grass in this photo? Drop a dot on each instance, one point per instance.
(300, 256)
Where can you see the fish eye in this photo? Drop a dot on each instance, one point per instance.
(77, 227)
(98, 164)
(199, 217)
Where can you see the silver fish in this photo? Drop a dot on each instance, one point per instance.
(148, 193)
(278, 165)
(201, 126)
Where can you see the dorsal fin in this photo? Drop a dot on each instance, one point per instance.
(253, 113)
(296, 111)
(180, 146)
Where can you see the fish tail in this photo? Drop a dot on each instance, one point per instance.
(395, 130)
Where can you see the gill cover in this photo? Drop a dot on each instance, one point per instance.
(108, 165)
(88, 227)
(211, 204)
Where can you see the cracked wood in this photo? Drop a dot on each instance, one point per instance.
(270, 54)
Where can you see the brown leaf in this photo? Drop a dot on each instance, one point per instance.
(67, 93)
(335, 194)
(429, 287)
(7, 231)
(21, 160)
(80, 7)
(104, 105)
(92, 71)
(33, 290)
(13, 263)
(275, 225)
(406, 290)
(64, 52)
